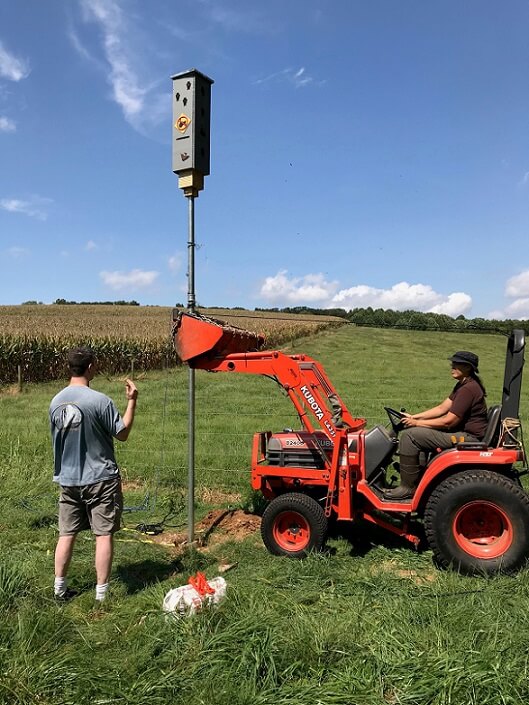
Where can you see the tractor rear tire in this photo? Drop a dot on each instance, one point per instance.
(477, 522)
(293, 525)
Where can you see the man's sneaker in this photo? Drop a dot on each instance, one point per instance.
(65, 596)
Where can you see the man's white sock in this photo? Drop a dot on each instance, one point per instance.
(101, 591)
(60, 586)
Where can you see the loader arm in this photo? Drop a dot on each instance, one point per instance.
(206, 344)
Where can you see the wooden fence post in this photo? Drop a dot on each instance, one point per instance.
(19, 377)
(132, 369)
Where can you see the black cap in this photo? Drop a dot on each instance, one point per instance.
(466, 358)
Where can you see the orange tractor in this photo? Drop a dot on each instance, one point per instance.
(469, 504)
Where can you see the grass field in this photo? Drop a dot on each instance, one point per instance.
(370, 622)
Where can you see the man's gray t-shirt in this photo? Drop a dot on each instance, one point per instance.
(83, 424)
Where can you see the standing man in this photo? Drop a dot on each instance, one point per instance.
(83, 425)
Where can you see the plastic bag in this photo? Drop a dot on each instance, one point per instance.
(199, 592)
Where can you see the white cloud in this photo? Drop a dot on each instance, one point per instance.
(135, 279)
(307, 289)
(517, 309)
(516, 288)
(297, 77)
(525, 179)
(313, 288)
(454, 305)
(518, 285)
(91, 245)
(34, 207)
(7, 125)
(175, 262)
(11, 67)
(18, 252)
(402, 296)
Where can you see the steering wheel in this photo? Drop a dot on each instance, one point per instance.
(395, 418)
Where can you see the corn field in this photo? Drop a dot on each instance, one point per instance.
(37, 338)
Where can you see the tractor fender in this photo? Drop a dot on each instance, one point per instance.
(498, 460)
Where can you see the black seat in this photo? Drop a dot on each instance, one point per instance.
(492, 433)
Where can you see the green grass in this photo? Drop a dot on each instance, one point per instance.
(371, 622)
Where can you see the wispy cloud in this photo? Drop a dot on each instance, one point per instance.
(91, 246)
(7, 125)
(299, 78)
(125, 86)
(125, 54)
(18, 252)
(525, 179)
(133, 280)
(247, 19)
(34, 207)
(175, 262)
(81, 49)
(312, 288)
(12, 67)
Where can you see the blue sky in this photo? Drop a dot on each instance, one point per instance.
(363, 153)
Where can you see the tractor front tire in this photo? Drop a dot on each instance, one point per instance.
(293, 525)
(477, 522)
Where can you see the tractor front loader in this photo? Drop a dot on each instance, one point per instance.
(469, 504)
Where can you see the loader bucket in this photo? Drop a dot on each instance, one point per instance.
(196, 335)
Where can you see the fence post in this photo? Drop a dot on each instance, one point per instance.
(19, 377)
(132, 369)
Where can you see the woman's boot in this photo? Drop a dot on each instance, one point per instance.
(409, 478)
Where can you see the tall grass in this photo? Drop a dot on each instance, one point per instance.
(369, 622)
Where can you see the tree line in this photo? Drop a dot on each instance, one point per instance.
(412, 320)
(64, 302)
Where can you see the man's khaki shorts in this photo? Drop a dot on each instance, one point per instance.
(97, 507)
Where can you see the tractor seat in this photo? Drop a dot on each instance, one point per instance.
(492, 433)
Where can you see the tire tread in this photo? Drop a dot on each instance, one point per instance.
(306, 506)
(469, 479)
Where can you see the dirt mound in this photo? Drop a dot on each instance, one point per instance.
(218, 526)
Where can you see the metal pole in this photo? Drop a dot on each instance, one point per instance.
(191, 417)
(191, 256)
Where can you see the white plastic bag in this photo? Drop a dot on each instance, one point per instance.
(199, 592)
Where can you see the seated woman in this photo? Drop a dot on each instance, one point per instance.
(459, 418)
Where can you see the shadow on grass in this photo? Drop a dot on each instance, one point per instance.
(43, 522)
(364, 537)
(137, 576)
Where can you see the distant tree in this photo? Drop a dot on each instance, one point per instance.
(121, 302)
(431, 322)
